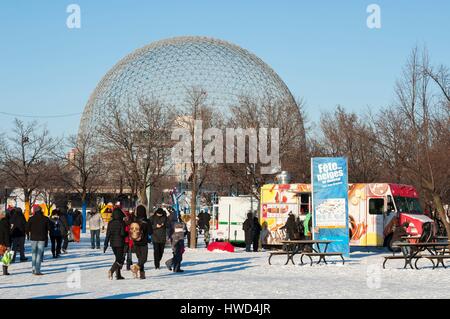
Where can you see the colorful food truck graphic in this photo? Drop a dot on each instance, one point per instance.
(373, 210)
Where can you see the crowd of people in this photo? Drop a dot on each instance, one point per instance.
(127, 233)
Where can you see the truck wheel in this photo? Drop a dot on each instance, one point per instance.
(388, 243)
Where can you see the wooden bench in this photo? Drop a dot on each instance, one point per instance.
(386, 258)
(439, 259)
(277, 253)
(322, 256)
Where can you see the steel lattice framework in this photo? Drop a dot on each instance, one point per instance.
(166, 69)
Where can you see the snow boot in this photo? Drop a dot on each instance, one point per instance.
(5, 271)
(142, 274)
(169, 264)
(119, 275)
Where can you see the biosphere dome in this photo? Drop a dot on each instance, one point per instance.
(164, 70)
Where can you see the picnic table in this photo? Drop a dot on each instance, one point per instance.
(437, 251)
(417, 237)
(307, 248)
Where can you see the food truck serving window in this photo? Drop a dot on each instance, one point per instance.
(376, 206)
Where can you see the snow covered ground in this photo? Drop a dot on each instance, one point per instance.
(83, 274)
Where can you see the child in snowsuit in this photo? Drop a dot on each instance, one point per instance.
(177, 247)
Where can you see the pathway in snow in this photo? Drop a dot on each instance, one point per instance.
(83, 274)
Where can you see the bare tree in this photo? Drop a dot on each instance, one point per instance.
(194, 112)
(415, 132)
(137, 140)
(23, 155)
(347, 134)
(82, 169)
(270, 113)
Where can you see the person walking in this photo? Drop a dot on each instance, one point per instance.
(18, 223)
(205, 220)
(115, 236)
(256, 232)
(95, 223)
(66, 229)
(201, 221)
(38, 229)
(247, 227)
(56, 233)
(77, 224)
(139, 235)
(5, 239)
(188, 229)
(159, 225)
(177, 247)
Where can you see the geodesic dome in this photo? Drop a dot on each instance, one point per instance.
(164, 70)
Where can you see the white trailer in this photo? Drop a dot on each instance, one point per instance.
(232, 212)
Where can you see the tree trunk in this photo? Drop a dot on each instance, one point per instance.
(440, 208)
(437, 203)
(142, 197)
(83, 212)
(193, 209)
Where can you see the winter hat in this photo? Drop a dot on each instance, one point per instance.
(160, 211)
(141, 212)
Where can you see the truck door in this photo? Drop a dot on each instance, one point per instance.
(375, 221)
(389, 215)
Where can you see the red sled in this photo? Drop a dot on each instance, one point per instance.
(221, 245)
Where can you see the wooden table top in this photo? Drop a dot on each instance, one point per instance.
(307, 241)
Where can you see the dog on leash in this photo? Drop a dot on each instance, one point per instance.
(135, 270)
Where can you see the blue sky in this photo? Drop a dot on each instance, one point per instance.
(323, 50)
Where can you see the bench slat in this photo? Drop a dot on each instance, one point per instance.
(323, 254)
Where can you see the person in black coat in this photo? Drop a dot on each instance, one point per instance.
(201, 221)
(57, 229)
(291, 228)
(141, 240)
(159, 224)
(247, 227)
(256, 232)
(38, 229)
(115, 236)
(18, 223)
(5, 239)
(66, 229)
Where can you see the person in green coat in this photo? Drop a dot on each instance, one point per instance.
(307, 225)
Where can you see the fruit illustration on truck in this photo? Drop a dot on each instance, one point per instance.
(373, 210)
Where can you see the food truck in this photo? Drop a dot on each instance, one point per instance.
(373, 210)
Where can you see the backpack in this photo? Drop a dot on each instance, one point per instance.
(135, 231)
(56, 227)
